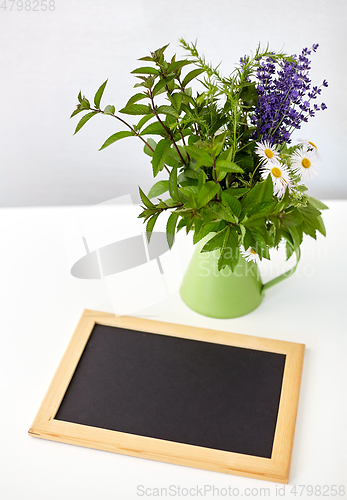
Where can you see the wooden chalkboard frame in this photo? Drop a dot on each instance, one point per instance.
(274, 469)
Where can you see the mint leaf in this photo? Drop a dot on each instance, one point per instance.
(98, 95)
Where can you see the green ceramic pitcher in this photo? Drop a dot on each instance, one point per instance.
(224, 294)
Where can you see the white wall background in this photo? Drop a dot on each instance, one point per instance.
(47, 57)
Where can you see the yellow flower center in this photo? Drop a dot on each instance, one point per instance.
(253, 252)
(306, 163)
(268, 153)
(312, 144)
(276, 172)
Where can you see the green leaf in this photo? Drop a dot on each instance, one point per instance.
(135, 98)
(245, 161)
(262, 208)
(176, 100)
(259, 245)
(171, 123)
(277, 231)
(158, 159)
(248, 240)
(291, 217)
(312, 221)
(145, 71)
(217, 241)
(74, 113)
(228, 166)
(191, 174)
(155, 129)
(98, 95)
(143, 120)
(255, 221)
(243, 233)
(232, 202)
(205, 160)
(84, 120)
(146, 58)
(167, 110)
(170, 202)
(226, 155)
(170, 228)
(182, 223)
(207, 192)
(309, 229)
(308, 213)
(196, 153)
(266, 189)
(201, 179)
(152, 144)
(263, 191)
(145, 200)
(159, 52)
(159, 86)
(115, 137)
(321, 226)
(222, 211)
(218, 143)
(136, 109)
(171, 158)
(249, 94)
(191, 75)
(230, 251)
(158, 189)
(296, 234)
(109, 110)
(190, 190)
(150, 225)
(85, 103)
(173, 189)
(178, 65)
(317, 204)
(289, 250)
(221, 176)
(212, 227)
(237, 192)
(149, 82)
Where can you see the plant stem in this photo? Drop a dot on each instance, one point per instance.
(214, 171)
(168, 131)
(133, 130)
(254, 171)
(170, 93)
(234, 132)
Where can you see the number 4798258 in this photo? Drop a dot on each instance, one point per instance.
(28, 5)
(318, 490)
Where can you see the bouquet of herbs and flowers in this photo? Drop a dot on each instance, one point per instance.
(232, 169)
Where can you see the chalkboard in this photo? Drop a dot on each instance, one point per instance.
(223, 396)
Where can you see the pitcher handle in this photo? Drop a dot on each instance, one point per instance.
(285, 275)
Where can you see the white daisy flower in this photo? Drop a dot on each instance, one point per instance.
(266, 152)
(249, 255)
(282, 189)
(310, 146)
(280, 177)
(305, 163)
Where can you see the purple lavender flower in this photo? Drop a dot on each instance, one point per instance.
(285, 96)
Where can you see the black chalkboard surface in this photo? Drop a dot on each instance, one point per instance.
(181, 390)
(179, 394)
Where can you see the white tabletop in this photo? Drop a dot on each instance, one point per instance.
(40, 306)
